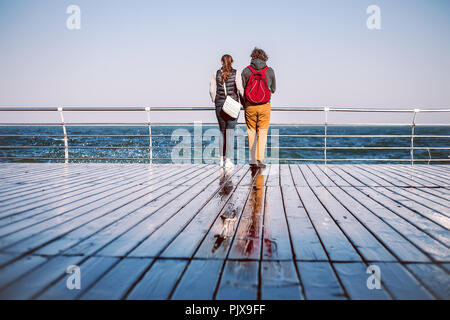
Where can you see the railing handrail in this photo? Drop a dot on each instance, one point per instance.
(148, 110)
(194, 108)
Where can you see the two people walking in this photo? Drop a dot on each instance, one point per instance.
(253, 88)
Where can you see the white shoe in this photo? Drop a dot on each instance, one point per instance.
(229, 164)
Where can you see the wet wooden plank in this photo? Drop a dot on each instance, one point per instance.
(90, 271)
(430, 173)
(158, 241)
(436, 171)
(433, 278)
(131, 239)
(22, 199)
(35, 281)
(327, 177)
(32, 173)
(308, 213)
(273, 179)
(6, 258)
(9, 170)
(430, 222)
(420, 239)
(199, 280)
(158, 282)
(32, 179)
(438, 193)
(445, 266)
(365, 242)
(401, 283)
(411, 177)
(279, 281)
(61, 186)
(345, 176)
(70, 172)
(335, 242)
(427, 175)
(354, 278)
(83, 214)
(247, 242)
(22, 190)
(18, 268)
(383, 174)
(24, 217)
(310, 178)
(415, 217)
(421, 204)
(365, 178)
(403, 249)
(219, 207)
(397, 173)
(319, 281)
(217, 242)
(428, 178)
(376, 181)
(320, 175)
(305, 242)
(276, 241)
(297, 176)
(94, 235)
(59, 180)
(115, 284)
(244, 274)
(68, 198)
(239, 281)
(427, 197)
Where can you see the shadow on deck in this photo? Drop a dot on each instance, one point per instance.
(303, 231)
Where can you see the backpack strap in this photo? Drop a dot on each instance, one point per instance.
(252, 70)
(260, 71)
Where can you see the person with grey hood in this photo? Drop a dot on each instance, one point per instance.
(259, 83)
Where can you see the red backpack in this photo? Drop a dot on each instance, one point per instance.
(257, 90)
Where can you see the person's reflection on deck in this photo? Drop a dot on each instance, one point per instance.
(253, 210)
(228, 216)
(226, 184)
(249, 233)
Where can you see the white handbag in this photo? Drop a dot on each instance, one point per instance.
(231, 106)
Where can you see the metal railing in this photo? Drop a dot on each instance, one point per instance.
(148, 110)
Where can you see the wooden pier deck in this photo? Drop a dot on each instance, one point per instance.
(196, 232)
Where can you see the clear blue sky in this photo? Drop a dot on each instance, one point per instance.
(162, 53)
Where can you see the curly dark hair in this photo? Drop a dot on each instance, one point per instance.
(258, 53)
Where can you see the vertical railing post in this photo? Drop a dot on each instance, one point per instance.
(413, 125)
(147, 110)
(326, 110)
(66, 144)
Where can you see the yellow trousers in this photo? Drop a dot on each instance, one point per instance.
(257, 119)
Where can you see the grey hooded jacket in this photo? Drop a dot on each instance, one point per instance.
(259, 64)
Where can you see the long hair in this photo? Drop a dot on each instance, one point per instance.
(227, 61)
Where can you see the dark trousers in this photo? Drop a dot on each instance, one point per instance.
(227, 126)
